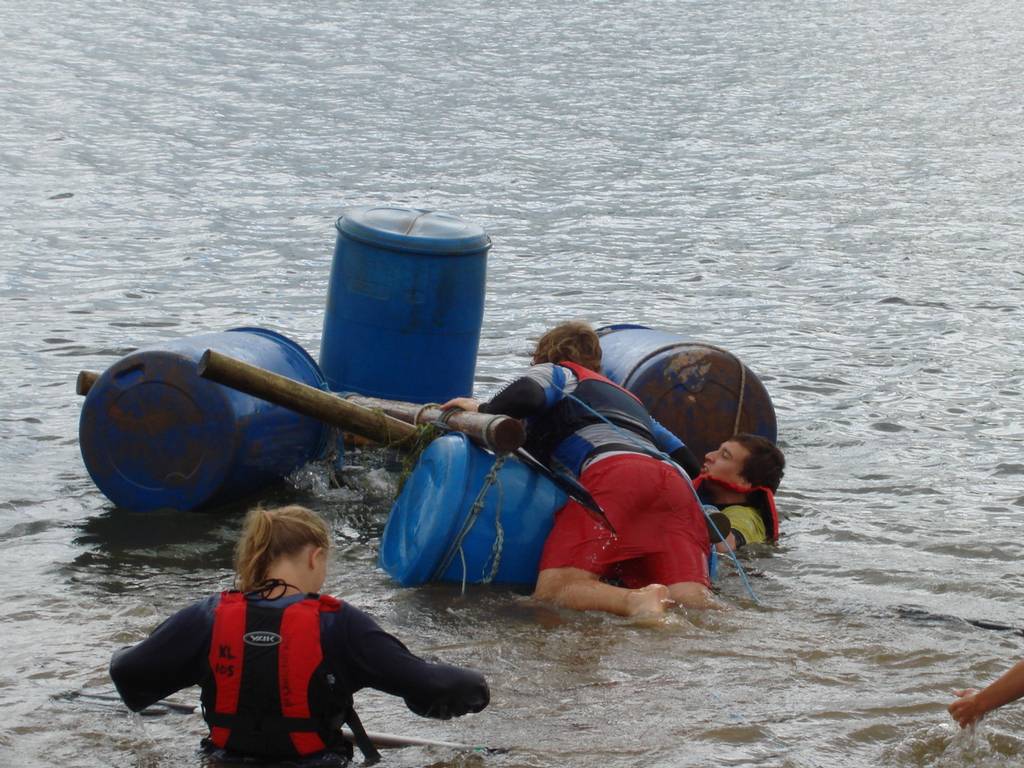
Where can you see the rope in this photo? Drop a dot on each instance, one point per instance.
(499, 535)
(743, 391)
(419, 413)
(331, 456)
(418, 443)
(429, 430)
(732, 554)
(474, 512)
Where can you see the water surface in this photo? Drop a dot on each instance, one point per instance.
(831, 191)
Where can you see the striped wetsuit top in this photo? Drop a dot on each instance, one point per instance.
(575, 418)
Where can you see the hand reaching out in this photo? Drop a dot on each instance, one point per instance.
(966, 710)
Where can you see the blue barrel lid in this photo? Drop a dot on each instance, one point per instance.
(155, 435)
(413, 229)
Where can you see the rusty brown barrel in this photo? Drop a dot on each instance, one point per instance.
(702, 393)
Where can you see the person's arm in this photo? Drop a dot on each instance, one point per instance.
(668, 442)
(971, 705)
(523, 397)
(168, 660)
(747, 527)
(373, 658)
(541, 387)
(732, 542)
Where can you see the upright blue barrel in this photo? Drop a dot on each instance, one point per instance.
(701, 393)
(434, 534)
(405, 304)
(155, 435)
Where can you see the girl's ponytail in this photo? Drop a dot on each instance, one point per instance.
(269, 534)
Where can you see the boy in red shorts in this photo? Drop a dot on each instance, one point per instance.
(602, 434)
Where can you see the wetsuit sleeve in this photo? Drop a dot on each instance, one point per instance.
(375, 659)
(541, 387)
(675, 448)
(523, 397)
(684, 457)
(663, 438)
(170, 659)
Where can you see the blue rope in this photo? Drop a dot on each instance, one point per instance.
(729, 550)
(665, 457)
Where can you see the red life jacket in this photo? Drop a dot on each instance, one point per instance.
(765, 504)
(583, 374)
(266, 691)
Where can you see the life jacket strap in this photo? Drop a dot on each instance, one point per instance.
(370, 753)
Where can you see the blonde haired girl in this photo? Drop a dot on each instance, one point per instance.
(277, 661)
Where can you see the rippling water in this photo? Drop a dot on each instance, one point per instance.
(832, 191)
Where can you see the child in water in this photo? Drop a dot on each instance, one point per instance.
(971, 705)
(278, 662)
(657, 543)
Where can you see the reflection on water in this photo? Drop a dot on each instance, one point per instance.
(120, 548)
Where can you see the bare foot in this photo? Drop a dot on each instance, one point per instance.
(647, 601)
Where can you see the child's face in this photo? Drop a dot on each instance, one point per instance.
(727, 463)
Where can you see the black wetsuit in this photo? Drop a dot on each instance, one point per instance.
(358, 653)
(549, 397)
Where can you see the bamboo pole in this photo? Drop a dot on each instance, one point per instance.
(85, 381)
(303, 398)
(501, 434)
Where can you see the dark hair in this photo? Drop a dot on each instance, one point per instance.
(269, 534)
(765, 464)
(574, 341)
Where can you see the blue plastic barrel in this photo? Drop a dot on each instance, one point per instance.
(155, 435)
(502, 543)
(405, 304)
(702, 393)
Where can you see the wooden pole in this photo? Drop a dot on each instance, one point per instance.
(303, 399)
(501, 434)
(390, 740)
(85, 381)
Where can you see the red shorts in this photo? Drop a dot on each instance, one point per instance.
(661, 536)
